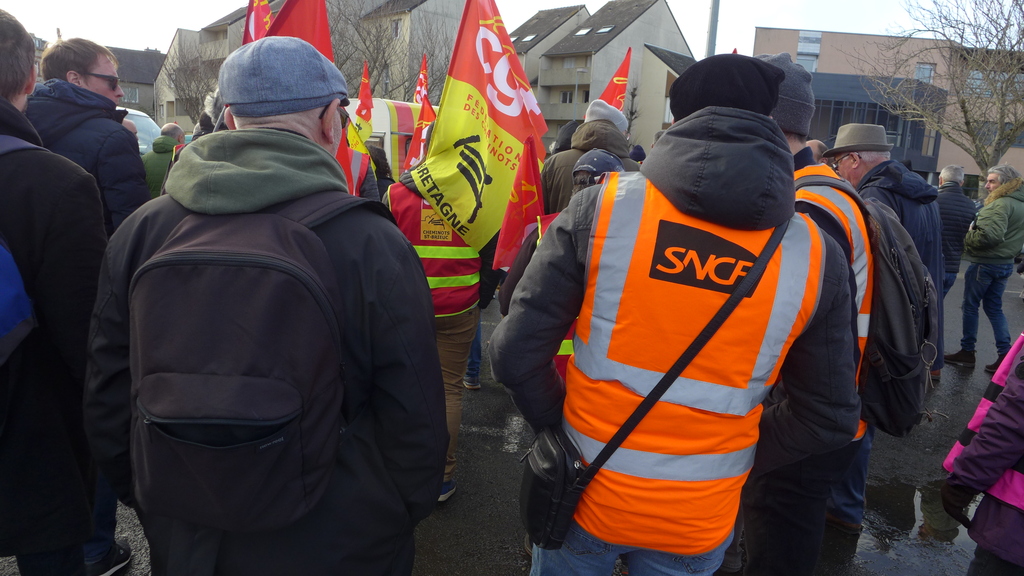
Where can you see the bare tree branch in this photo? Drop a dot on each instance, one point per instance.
(974, 52)
(192, 75)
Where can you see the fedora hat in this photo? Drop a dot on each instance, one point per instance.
(859, 138)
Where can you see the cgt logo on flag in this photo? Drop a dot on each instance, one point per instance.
(508, 97)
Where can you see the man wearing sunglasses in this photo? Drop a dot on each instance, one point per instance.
(76, 115)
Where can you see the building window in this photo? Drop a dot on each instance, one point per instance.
(170, 108)
(586, 96)
(808, 61)
(131, 95)
(530, 37)
(604, 29)
(514, 38)
(583, 31)
(809, 42)
(163, 113)
(569, 62)
(566, 97)
(395, 25)
(386, 77)
(924, 72)
(928, 143)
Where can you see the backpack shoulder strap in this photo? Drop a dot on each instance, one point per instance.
(822, 180)
(316, 208)
(13, 144)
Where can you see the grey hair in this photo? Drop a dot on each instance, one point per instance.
(1004, 172)
(952, 173)
(873, 157)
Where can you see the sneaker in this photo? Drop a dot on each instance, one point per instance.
(961, 358)
(991, 368)
(842, 525)
(117, 557)
(471, 382)
(447, 489)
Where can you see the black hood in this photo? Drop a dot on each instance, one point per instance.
(896, 178)
(14, 123)
(726, 166)
(58, 107)
(564, 139)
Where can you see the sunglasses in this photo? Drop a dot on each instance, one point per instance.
(112, 81)
(341, 112)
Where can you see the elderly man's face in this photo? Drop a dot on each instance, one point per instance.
(992, 182)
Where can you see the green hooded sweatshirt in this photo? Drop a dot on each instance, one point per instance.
(156, 162)
(998, 232)
(241, 171)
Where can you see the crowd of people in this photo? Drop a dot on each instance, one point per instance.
(230, 343)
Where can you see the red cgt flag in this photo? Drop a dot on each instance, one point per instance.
(421, 83)
(364, 112)
(418, 146)
(615, 92)
(524, 207)
(257, 20)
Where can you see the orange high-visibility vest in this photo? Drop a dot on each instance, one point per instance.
(451, 265)
(848, 214)
(655, 278)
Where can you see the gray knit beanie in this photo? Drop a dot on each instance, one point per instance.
(796, 99)
(601, 110)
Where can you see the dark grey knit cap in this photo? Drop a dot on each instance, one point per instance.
(796, 99)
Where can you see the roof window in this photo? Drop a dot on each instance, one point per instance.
(583, 31)
(530, 37)
(514, 38)
(604, 29)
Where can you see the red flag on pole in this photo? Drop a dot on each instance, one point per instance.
(305, 19)
(421, 83)
(524, 206)
(418, 145)
(615, 92)
(364, 112)
(257, 20)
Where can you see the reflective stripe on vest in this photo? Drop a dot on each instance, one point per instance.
(674, 484)
(1009, 489)
(848, 214)
(452, 267)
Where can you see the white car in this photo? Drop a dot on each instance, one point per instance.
(148, 129)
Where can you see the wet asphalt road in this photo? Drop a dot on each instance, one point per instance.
(477, 532)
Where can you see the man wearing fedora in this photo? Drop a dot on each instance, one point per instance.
(861, 156)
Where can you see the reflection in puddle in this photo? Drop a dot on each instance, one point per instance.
(906, 532)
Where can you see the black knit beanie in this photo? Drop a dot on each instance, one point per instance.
(730, 80)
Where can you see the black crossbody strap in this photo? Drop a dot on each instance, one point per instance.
(745, 286)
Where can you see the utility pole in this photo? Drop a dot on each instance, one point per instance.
(712, 29)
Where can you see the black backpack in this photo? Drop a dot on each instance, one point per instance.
(895, 371)
(237, 376)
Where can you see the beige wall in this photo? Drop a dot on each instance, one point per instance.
(164, 94)
(651, 99)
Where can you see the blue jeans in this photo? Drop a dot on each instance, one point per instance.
(104, 518)
(473, 365)
(64, 562)
(984, 285)
(948, 279)
(847, 501)
(584, 555)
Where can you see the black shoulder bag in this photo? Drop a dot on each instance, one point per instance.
(554, 477)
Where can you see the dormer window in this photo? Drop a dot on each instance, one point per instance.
(604, 29)
(583, 31)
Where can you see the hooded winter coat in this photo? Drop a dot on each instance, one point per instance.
(693, 165)
(85, 128)
(556, 176)
(156, 162)
(52, 218)
(388, 471)
(957, 211)
(998, 234)
(913, 200)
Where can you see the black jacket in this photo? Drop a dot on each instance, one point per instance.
(388, 472)
(85, 128)
(957, 211)
(51, 216)
(693, 165)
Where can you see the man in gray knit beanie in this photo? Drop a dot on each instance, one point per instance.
(785, 509)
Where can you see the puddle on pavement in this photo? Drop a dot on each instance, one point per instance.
(906, 532)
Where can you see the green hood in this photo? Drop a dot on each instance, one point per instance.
(164, 144)
(239, 171)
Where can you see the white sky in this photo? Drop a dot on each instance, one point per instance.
(151, 24)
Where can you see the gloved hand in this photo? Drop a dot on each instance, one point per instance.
(955, 499)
